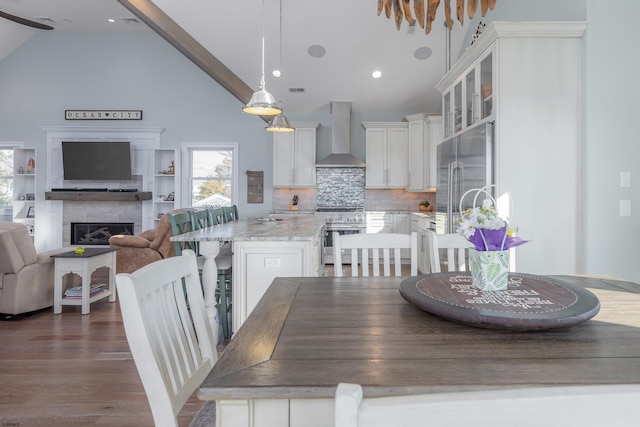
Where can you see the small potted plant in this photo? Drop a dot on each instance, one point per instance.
(425, 206)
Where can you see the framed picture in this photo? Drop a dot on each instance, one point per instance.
(31, 213)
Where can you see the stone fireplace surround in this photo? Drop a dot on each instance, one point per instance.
(58, 215)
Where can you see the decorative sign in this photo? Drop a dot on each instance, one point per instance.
(255, 187)
(529, 303)
(103, 114)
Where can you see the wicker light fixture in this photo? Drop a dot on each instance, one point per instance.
(402, 8)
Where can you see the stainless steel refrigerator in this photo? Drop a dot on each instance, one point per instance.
(464, 162)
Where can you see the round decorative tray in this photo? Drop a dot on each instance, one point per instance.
(529, 303)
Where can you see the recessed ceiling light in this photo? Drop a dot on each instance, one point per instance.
(111, 20)
(276, 73)
(422, 53)
(317, 51)
(376, 74)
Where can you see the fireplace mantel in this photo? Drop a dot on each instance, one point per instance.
(99, 196)
(87, 206)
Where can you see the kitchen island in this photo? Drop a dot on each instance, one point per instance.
(263, 249)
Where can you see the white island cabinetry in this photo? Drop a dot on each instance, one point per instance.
(257, 262)
(282, 246)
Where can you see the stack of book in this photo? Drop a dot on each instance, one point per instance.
(76, 291)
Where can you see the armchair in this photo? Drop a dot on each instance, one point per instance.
(26, 277)
(149, 246)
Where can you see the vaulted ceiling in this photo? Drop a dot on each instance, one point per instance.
(326, 49)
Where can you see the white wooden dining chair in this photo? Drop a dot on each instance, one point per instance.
(456, 247)
(367, 247)
(171, 339)
(571, 406)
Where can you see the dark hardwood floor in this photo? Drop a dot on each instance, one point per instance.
(70, 369)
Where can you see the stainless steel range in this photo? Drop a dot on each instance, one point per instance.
(344, 220)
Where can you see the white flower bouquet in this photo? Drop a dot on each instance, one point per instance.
(492, 238)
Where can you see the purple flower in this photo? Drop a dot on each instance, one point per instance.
(494, 239)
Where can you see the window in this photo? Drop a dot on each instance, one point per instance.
(212, 174)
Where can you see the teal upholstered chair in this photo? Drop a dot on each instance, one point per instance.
(200, 219)
(217, 215)
(230, 213)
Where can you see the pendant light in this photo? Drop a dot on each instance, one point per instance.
(280, 122)
(262, 103)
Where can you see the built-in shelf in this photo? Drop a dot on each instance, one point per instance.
(99, 196)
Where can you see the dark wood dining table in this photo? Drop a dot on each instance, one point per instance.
(306, 335)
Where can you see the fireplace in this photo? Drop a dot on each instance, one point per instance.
(97, 233)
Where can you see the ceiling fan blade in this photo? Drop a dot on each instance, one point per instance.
(26, 22)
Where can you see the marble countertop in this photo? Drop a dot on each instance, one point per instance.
(273, 228)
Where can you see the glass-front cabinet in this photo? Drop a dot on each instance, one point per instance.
(470, 99)
(457, 107)
(486, 86)
(446, 114)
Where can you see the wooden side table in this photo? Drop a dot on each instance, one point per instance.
(83, 265)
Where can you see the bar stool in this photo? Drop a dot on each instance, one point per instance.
(201, 219)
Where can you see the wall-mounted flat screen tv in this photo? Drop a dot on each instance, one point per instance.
(96, 160)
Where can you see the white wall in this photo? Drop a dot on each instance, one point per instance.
(611, 139)
(610, 143)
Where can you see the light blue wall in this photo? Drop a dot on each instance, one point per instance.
(611, 142)
(55, 71)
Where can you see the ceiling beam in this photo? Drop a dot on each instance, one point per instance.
(169, 30)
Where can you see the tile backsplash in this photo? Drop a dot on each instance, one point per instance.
(340, 187)
(396, 200)
(374, 200)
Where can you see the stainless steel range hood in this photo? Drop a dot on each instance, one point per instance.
(340, 156)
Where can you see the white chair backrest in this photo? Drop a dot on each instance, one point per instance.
(365, 244)
(172, 344)
(577, 406)
(456, 247)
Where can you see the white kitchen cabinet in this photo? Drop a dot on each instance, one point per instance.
(425, 133)
(294, 156)
(469, 99)
(164, 181)
(24, 187)
(390, 222)
(535, 100)
(402, 224)
(387, 154)
(379, 222)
